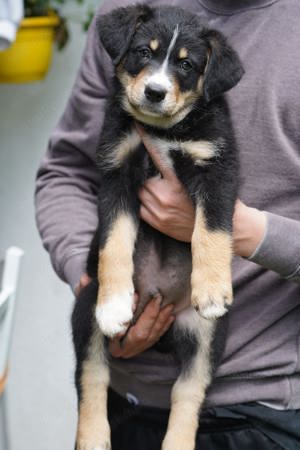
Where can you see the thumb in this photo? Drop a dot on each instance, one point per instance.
(83, 282)
(162, 164)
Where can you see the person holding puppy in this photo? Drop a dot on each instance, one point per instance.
(254, 399)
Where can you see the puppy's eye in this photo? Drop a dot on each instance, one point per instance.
(186, 65)
(145, 53)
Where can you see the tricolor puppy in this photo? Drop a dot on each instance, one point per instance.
(170, 76)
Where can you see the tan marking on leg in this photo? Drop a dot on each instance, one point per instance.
(183, 53)
(200, 151)
(154, 44)
(93, 429)
(128, 144)
(211, 274)
(115, 269)
(188, 394)
(115, 273)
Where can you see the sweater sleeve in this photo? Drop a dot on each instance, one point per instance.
(66, 186)
(280, 248)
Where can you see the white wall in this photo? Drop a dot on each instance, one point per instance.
(41, 395)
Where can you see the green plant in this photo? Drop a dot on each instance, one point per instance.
(34, 8)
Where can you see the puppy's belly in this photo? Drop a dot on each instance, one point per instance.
(163, 267)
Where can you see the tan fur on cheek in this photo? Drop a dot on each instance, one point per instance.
(133, 85)
(184, 99)
(177, 100)
(136, 86)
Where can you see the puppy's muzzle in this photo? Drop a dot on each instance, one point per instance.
(155, 93)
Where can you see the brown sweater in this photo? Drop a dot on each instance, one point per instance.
(262, 354)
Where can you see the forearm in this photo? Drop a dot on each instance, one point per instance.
(269, 240)
(66, 218)
(279, 249)
(67, 179)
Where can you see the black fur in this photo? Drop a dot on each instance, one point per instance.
(82, 321)
(118, 28)
(125, 33)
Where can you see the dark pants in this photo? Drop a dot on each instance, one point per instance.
(240, 427)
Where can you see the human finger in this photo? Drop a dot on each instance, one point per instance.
(115, 348)
(147, 319)
(160, 163)
(147, 215)
(163, 322)
(154, 206)
(85, 279)
(136, 339)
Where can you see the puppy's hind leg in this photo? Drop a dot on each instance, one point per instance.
(93, 432)
(193, 342)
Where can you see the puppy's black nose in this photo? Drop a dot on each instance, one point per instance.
(155, 93)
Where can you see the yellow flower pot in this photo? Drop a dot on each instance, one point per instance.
(29, 57)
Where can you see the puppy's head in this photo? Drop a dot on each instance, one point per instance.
(166, 60)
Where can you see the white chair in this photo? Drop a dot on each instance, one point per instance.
(7, 303)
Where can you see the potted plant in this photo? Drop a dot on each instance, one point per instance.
(29, 58)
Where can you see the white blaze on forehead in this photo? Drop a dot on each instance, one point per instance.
(171, 46)
(161, 77)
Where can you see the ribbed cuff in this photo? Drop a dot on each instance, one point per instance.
(280, 248)
(74, 268)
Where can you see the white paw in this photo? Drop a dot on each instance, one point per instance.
(115, 313)
(212, 304)
(213, 311)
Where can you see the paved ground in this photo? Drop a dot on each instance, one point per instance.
(41, 397)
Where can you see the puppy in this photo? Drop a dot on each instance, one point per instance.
(170, 76)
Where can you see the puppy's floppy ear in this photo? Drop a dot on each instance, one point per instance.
(224, 69)
(116, 29)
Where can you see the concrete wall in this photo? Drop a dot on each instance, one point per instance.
(40, 395)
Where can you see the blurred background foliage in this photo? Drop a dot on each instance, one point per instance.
(35, 8)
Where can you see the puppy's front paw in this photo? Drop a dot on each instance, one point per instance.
(115, 313)
(212, 300)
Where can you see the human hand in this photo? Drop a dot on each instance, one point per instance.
(84, 281)
(150, 326)
(165, 203)
(249, 225)
(167, 207)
